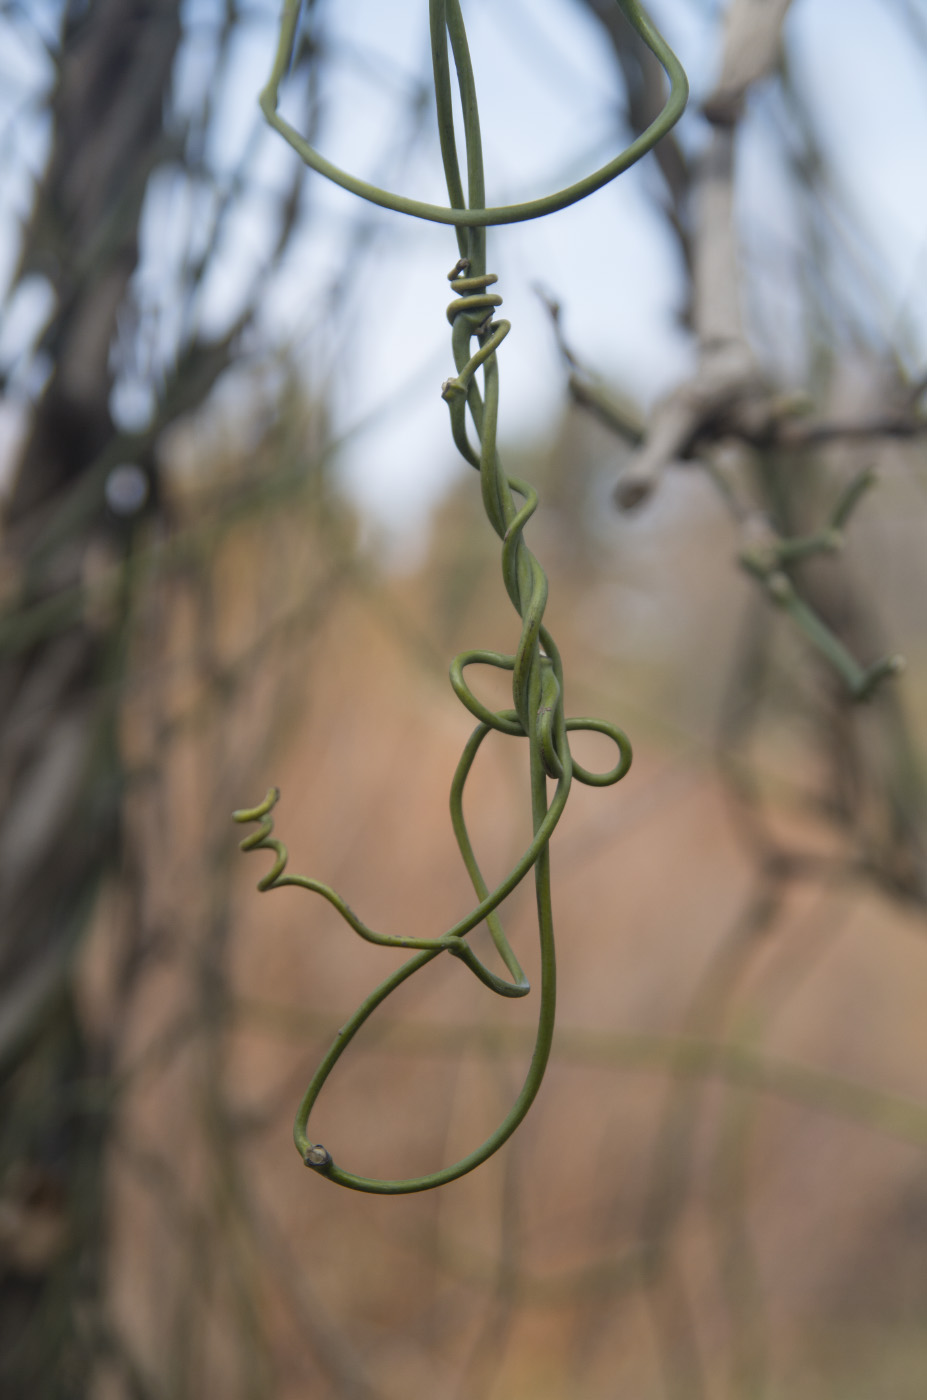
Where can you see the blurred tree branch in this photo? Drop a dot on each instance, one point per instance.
(65, 639)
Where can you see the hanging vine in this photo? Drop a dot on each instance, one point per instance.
(538, 712)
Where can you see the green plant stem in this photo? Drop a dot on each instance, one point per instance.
(476, 216)
(537, 671)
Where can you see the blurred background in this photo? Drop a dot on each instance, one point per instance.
(239, 549)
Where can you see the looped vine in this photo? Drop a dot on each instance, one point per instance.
(537, 672)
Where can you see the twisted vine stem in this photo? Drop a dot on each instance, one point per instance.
(537, 673)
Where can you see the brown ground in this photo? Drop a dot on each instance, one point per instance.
(785, 1212)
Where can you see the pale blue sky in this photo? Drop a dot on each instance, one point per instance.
(550, 107)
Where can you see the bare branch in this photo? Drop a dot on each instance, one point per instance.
(752, 50)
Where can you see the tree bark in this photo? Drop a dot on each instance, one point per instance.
(59, 766)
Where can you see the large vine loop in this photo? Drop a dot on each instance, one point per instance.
(538, 714)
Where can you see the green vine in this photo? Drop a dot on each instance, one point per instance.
(537, 673)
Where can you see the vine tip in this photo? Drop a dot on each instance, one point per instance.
(254, 814)
(317, 1156)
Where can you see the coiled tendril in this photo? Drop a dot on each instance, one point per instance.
(537, 673)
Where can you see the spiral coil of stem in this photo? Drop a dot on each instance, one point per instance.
(537, 672)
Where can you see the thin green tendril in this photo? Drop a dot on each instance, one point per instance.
(537, 673)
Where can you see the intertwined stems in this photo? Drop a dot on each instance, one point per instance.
(537, 674)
